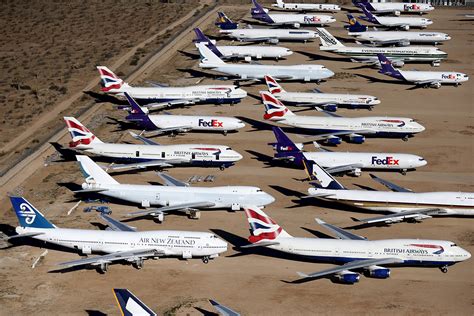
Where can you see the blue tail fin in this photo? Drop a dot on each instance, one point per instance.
(354, 25)
(387, 68)
(370, 17)
(201, 38)
(285, 147)
(224, 23)
(28, 215)
(130, 305)
(363, 3)
(259, 13)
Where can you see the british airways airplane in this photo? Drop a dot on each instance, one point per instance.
(351, 252)
(394, 7)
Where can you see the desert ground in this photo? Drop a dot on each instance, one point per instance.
(257, 282)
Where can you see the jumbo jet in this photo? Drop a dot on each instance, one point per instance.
(402, 204)
(174, 196)
(174, 124)
(120, 243)
(306, 72)
(294, 20)
(327, 101)
(305, 7)
(366, 54)
(404, 23)
(422, 78)
(352, 253)
(246, 52)
(332, 127)
(398, 38)
(160, 96)
(394, 7)
(351, 163)
(150, 154)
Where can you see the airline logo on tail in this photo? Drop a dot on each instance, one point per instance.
(26, 211)
(79, 133)
(109, 80)
(272, 85)
(262, 226)
(352, 20)
(274, 109)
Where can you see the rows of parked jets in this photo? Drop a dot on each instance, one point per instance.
(386, 47)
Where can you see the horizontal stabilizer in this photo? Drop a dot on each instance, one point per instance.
(341, 233)
(389, 184)
(261, 244)
(116, 225)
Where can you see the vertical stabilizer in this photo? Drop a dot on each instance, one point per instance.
(28, 215)
(93, 173)
(110, 82)
(262, 227)
(273, 85)
(79, 133)
(274, 109)
(130, 305)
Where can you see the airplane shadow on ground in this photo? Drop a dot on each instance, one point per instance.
(93, 312)
(322, 57)
(192, 56)
(269, 162)
(105, 98)
(121, 125)
(205, 312)
(374, 79)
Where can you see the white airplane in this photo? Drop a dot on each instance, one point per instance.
(168, 123)
(351, 252)
(305, 7)
(174, 196)
(422, 78)
(306, 72)
(246, 52)
(161, 96)
(121, 243)
(327, 101)
(399, 38)
(150, 154)
(404, 23)
(366, 54)
(351, 163)
(330, 128)
(294, 20)
(403, 204)
(394, 7)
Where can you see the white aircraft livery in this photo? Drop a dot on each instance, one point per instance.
(150, 154)
(404, 23)
(305, 7)
(330, 128)
(352, 252)
(404, 204)
(121, 243)
(394, 7)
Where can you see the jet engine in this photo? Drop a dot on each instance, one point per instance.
(347, 277)
(356, 138)
(333, 140)
(296, 25)
(406, 27)
(273, 41)
(356, 172)
(377, 272)
(330, 107)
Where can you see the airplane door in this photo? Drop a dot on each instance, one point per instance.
(157, 197)
(137, 153)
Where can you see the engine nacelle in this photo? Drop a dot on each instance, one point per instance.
(243, 77)
(273, 41)
(377, 272)
(356, 138)
(334, 140)
(347, 277)
(397, 13)
(145, 203)
(159, 216)
(356, 172)
(235, 207)
(330, 108)
(296, 25)
(248, 58)
(406, 27)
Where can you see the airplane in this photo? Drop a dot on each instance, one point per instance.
(331, 128)
(160, 96)
(422, 78)
(174, 196)
(151, 154)
(402, 204)
(394, 7)
(130, 305)
(398, 38)
(272, 36)
(351, 163)
(120, 243)
(404, 23)
(327, 101)
(306, 72)
(366, 54)
(167, 123)
(245, 51)
(305, 7)
(354, 254)
(294, 20)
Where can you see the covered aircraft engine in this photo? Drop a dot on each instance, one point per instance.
(356, 138)
(406, 27)
(347, 277)
(356, 172)
(296, 25)
(273, 41)
(334, 140)
(248, 58)
(330, 108)
(377, 272)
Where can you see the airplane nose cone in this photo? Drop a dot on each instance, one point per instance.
(422, 162)
(329, 73)
(240, 93)
(240, 124)
(448, 37)
(268, 199)
(238, 156)
(419, 128)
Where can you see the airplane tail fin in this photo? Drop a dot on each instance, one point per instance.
(315, 172)
(93, 173)
(262, 227)
(207, 56)
(201, 38)
(28, 215)
(79, 133)
(259, 13)
(223, 310)
(370, 17)
(109, 81)
(327, 39)
(224, 23)
(135, 108)
(273, 85)
(387, 67)
(130, 305)
(285, 147)
(354, 25)
(274, 109)
(363, 3)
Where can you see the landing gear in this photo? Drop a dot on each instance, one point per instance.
(404, 172)
(103, 267)
(222, 168)
(405, 139)
(225, 133)
(205, 260)
(138, 264)
(193, 214)
(444, 269)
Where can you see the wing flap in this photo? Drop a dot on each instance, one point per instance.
(343, 168)
(341, 233)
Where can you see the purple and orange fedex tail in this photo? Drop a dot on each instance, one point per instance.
(274, 109)
(387, 68)
(79, 133)
(109, 81)
(273, 85)
(262, 227)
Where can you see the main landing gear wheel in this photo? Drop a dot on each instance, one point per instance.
(103, 268)
(222, 168)
(405, 139)
(138, 264)
(205, 260)
(444, 269)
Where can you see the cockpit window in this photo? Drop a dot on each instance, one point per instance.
(454, 245)
(228, 148)
(259, 190)
(421, 159)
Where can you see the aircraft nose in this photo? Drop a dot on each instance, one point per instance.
(329, 73)
(448, 37)
(420, 128)
(422, 162)
(240, 124)
(223, 245)
(240, 93)
(238, 156)
(268, 199)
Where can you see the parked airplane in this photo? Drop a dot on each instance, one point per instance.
(273, 36)
(394, 7)
(327, 101)
(399, 38)
(365, 54)
(351, 163)
(150, 154)
(330, 128)
(403, 204)
(294, 20)
(305, 7)
(246, 52)
(306, 72)
(174, 196)
(404, 23)
(352, 252)
(161, 96)
(121, 243)
(167, 123)
(422, 78)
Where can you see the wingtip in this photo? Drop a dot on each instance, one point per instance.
(302, 274)
(319, 221)
(355, 219)
(213, 303)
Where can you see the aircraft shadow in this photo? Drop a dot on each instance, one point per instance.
(192, 56)
(322, 57)
(205, 312)
(93, 312)
(374, 79)
(105, 98)
(287, 192)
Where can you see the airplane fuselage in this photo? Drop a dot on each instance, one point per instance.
(305, 7)
(306, 98)
(445, 77)
(274, 35)
(296, 19)
(400, 7)
(257, 52)
(412, 37)
(403, 22)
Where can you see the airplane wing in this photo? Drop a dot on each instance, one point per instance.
(170, 181)
(341, 233)
(343, 168)
(427, 82)
(261, 244)
(390, 185)
(223, 310)
(25, 235)
(89, 191)
(358, 264)
(145, 140)
(161, 105)
(328, 135)
(117, 225)
(416, 215)
(177, 129)
(116, 256)
(177, 207)
(160, 163)
(157, 84)
(398, 42)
